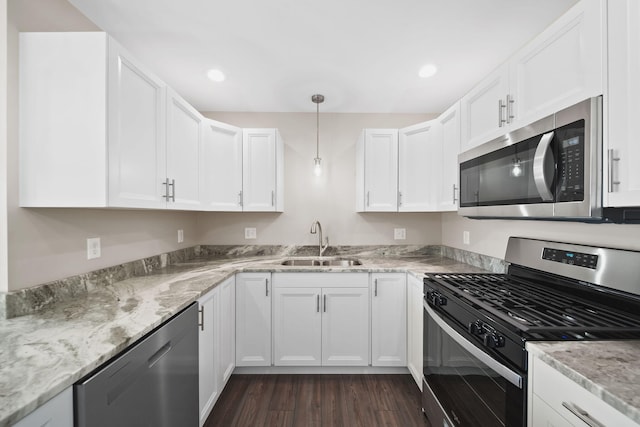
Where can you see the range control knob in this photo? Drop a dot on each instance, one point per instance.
(475, 328)
(436, 299)
(493, 340)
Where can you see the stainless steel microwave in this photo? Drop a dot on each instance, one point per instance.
(550, 169)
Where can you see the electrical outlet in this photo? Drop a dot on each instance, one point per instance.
(93, 248)
(466, 238)
(250, 233)
(180, 236)
(399, 233)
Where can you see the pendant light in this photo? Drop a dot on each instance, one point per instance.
(317, 168)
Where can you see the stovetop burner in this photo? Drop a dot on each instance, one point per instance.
(532, 307)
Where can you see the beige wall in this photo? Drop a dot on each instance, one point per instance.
(48, 244)
(329, 198)
(490, 236)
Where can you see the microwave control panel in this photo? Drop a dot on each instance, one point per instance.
(570, 183)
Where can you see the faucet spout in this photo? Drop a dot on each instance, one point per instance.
(316, 228)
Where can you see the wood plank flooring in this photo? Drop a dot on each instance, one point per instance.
(318, 401)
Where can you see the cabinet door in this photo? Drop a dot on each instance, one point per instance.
(259, 172)
(345, 326)
(561, 66)
(226, 348)
(209, 386)
(221, 167)
(414, 328)
(449, 139)
(622, 182)
(184, 137)
(481, 117)
(381, 170)
(136, 133)
(419, 168)
(389, 319)
(253, 319)
(297, 326)
(57, 412)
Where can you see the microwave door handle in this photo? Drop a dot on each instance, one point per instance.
(506, 373)
(541, 171)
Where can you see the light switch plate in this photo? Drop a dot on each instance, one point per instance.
(250, 233)
(399, 233)
(93, 248)
(466, 238)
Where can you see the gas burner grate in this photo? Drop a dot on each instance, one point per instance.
(531, 306)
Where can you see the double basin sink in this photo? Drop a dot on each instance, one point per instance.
(318, 262)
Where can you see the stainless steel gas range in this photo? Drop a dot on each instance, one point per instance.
(476, 325)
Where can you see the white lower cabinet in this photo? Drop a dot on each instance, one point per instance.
(389, 319)
(216, 344)
(557, 401)
(253, 319)
(57, 412)
(414, 327)
(321, 319)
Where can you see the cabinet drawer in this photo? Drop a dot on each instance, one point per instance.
(313, 280)
(557, 391)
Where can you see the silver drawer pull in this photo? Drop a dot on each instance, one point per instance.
(612, 158)
(582, 414)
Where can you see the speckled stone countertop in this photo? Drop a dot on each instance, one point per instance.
(608, 369)
(42, 354)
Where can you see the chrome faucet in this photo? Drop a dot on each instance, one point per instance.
(317, 228)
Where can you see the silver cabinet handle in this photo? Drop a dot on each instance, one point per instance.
(501, 106)
(325, 303)
(612, 158)
(375, 289)
(582, 414)
(318, 303)
(399, 198)
(368, 198)
(510, 102)
(166, 189)
(455, 199)
(240, 198)
(201, 323)
(543, 167)
(173, 190)
(273, 198)
(266, 287)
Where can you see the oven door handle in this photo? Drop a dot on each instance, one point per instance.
(506, 373)
(542, 167)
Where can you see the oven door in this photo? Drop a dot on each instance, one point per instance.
(463, 385)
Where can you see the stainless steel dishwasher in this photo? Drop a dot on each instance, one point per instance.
(152, 383)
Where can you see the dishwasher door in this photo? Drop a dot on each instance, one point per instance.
(153, 383)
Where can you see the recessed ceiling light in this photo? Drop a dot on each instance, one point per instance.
(215, 75)
(427, 71)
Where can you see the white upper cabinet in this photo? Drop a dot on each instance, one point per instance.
(263, 170)
(377, 171)
(221, 167)
(449, 139)
(561, 66)
(622, 182)
(483, 109)
(184, 142)
(91, 124)
(419, 167)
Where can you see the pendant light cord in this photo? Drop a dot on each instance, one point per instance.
(317, 130)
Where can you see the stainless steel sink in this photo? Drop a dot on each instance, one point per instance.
(334, 262)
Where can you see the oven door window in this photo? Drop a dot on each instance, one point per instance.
(470, 392)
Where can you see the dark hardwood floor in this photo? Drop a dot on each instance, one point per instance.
(318, 401)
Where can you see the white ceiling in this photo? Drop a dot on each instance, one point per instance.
(363, 55)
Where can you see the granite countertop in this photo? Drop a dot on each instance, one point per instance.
(608, 369)
(44, 353)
